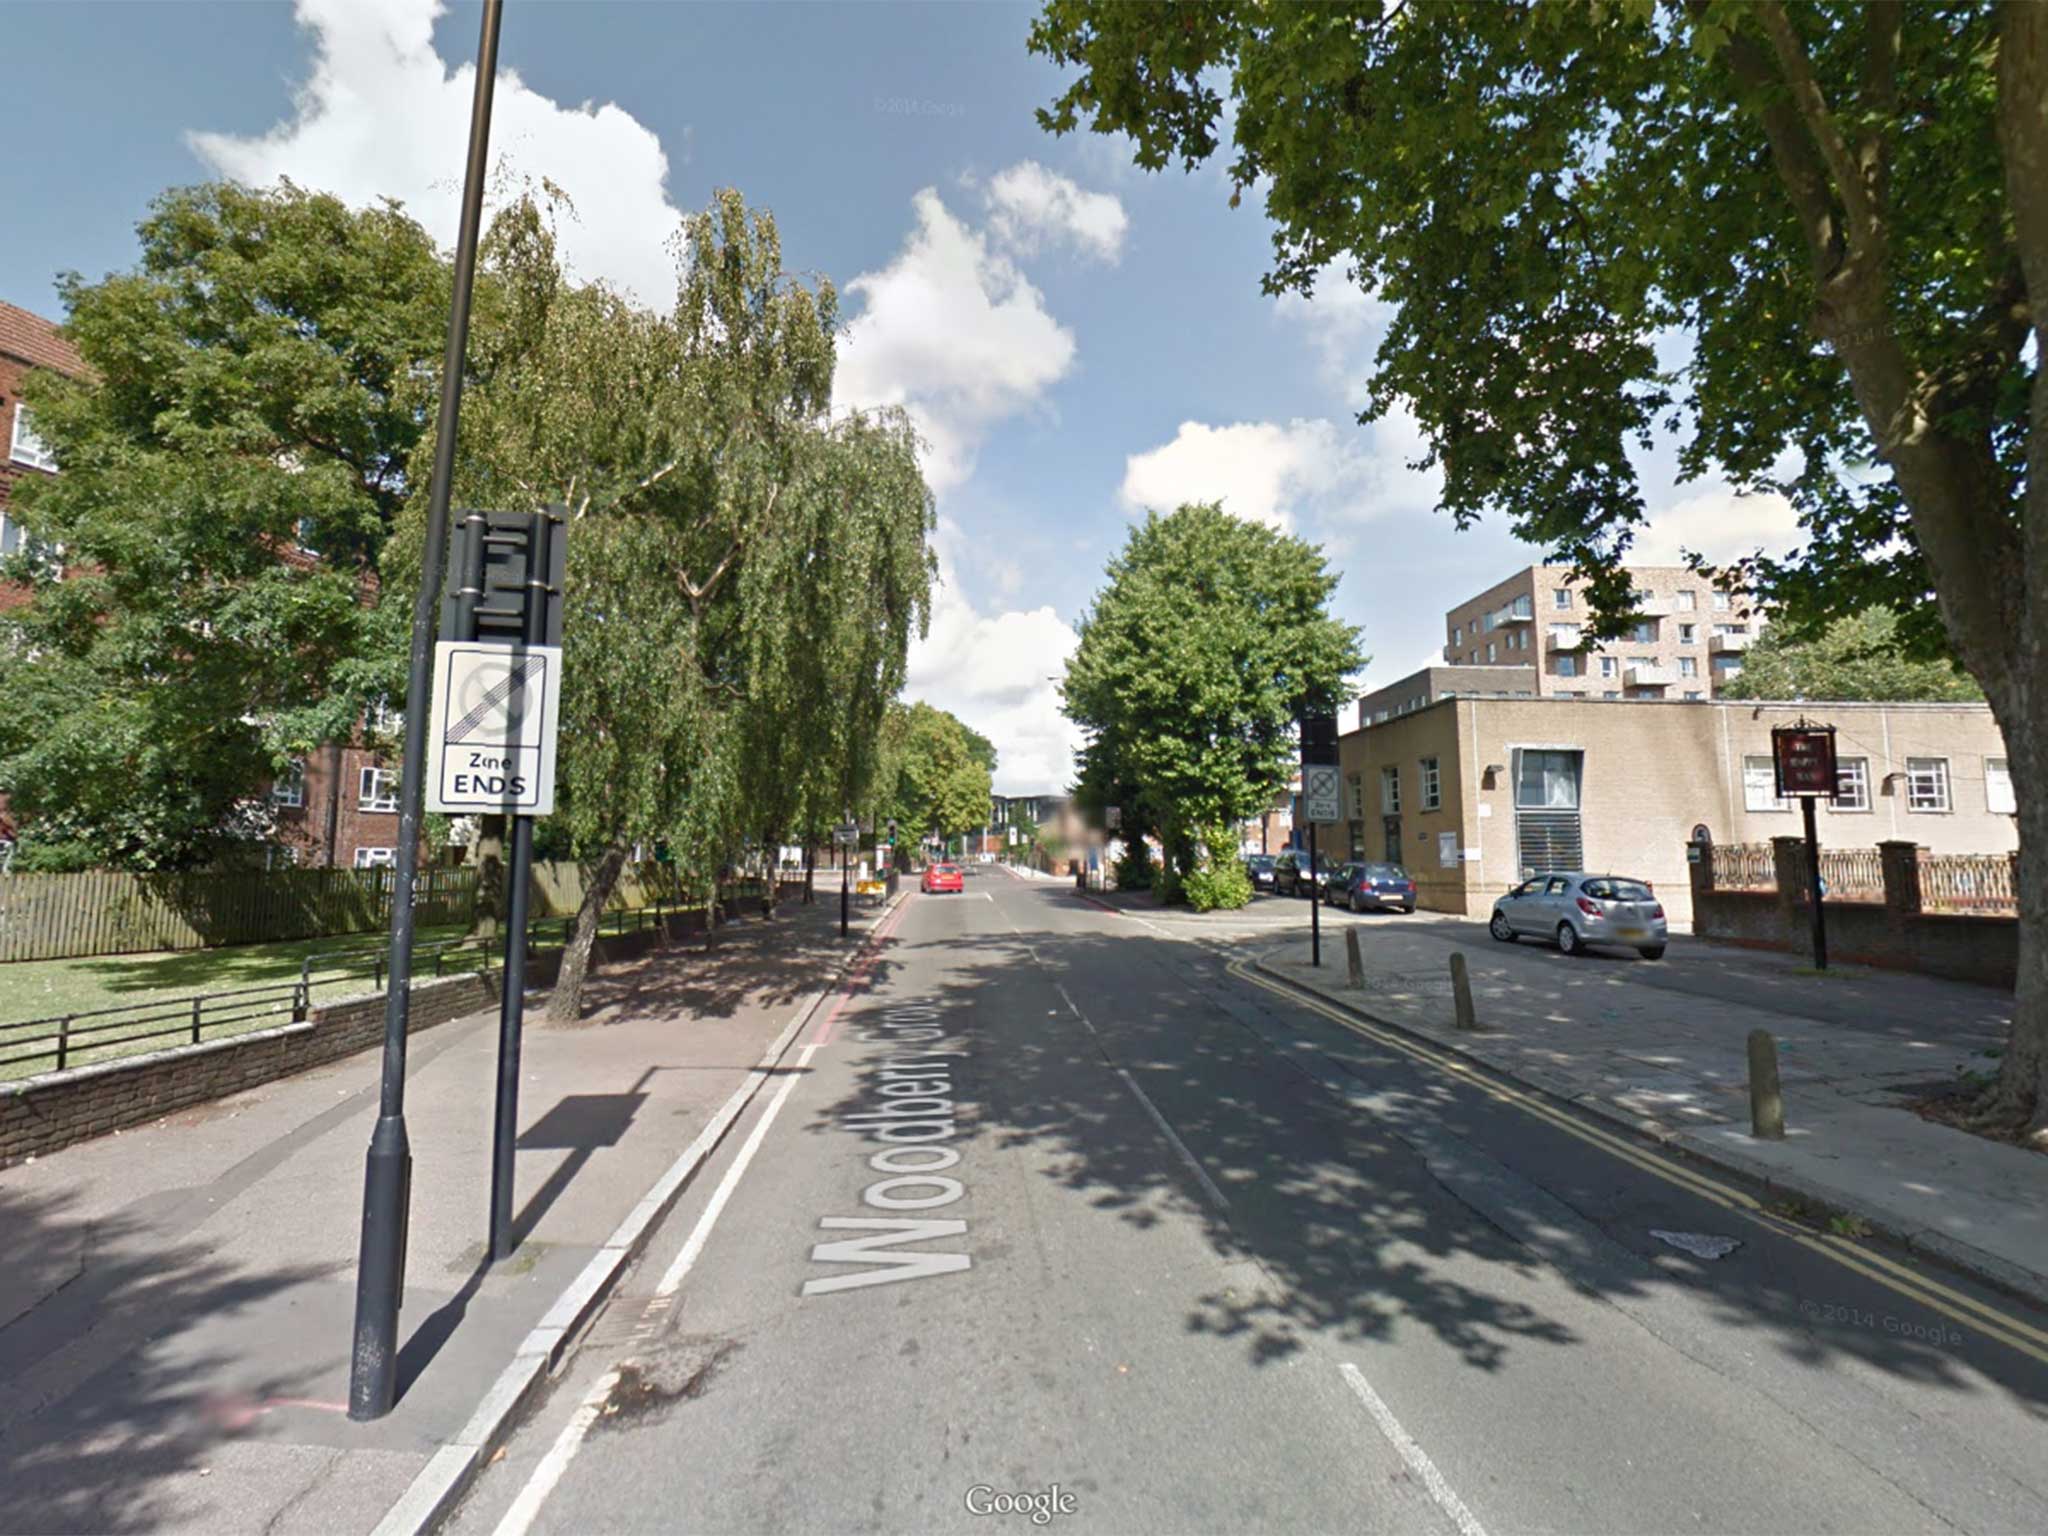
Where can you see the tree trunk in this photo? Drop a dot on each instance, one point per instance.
(2019, 1097)
(487, 918)
(566, 1004)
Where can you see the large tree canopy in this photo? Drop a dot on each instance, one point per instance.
(1843, 208)
(229, 473)
(1857, 657)
(1211, 638)
(936, 774)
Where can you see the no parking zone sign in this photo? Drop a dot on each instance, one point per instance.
(491, 747)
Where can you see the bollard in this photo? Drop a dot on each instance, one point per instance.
(1766, 1098)
(1354, 965)
(1461, 992)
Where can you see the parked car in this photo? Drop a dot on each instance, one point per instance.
(1260, 867)
(1576, 910)
(944, 877)
(1372, 887)
(1291, 875)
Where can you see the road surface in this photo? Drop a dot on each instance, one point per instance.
(1060, 1223)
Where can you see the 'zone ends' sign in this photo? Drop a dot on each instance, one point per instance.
(492, 742)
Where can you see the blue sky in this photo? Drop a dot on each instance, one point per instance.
(1075, 338)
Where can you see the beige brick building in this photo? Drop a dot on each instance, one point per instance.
(1472, 793)
(1688, 637)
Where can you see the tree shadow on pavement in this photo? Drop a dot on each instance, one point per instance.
(771, 963)
(1373, 1194)
(104, 1419)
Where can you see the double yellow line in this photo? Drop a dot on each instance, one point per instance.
(2013, 1332)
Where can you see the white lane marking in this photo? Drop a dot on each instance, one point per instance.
(520, 1517)
(1418, 1461)
(804, 1053)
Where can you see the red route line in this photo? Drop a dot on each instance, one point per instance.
(860, 971)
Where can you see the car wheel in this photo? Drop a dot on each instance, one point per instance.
(1568, 940)
(1409, 910)
(1652, 951)
(1501, 929)
(1355, 907)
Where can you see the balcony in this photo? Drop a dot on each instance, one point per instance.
(1727, 645)
(1640, 676)
(1567, 637)
(1649, 606)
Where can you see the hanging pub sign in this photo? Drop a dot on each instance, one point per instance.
(1805, 758)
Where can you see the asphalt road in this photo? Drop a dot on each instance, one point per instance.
(1188, 1255)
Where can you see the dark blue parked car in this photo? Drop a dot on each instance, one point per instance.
(1372, 887)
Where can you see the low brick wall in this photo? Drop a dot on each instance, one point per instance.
(1985, 950)
(39, 1115)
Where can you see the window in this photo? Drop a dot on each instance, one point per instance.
(280, 856)
(1720, 602)
(1610, 666)
(1998, 796)
(1457, 634)
(1610, 693)
(1565, 637)
(1692, 693)
(1727, 666)
(1548, 780)
(379, 790)
(1642, 661)
(1688, 600)
(1688, 634)
(1547, 831)
(290, 787)
(10, 535)
(1687, 667)
(375, 858)
(1560, 598)
(1473, 658)
(27, 448)
(1390, 790)
(1489, 650)
(1432, 785)
(1567, 666)
(1645, 633)
(1731, 629)
(1760, 786)
(1852, 784)
(1354, 797)
(1927, 784)
(383, 718)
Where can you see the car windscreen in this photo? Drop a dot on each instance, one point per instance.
(1386, 872)
(1261, 861)
(1619, 890)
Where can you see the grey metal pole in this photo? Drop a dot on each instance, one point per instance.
(512, 1003)
(387, 1175)
(1315, 903)
(1820, 922)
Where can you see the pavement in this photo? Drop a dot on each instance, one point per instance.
(1661, 1047)
(1073, 1221)
(176, 1301)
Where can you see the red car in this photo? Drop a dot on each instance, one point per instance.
(945, 877)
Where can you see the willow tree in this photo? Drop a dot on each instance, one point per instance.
(1844, 206)
(708, 498)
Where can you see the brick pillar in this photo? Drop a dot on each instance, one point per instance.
(1901, 860)
(1700, 865)
(1788, 861)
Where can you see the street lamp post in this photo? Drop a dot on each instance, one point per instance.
(387, 1175)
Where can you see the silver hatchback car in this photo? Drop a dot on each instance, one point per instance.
(1580, 909)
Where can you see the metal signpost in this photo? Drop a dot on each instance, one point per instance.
(848, 838)
(1321, 800)
(496, 714)
(1804, 757)
(387, 1171)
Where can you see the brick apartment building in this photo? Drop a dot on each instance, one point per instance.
(1687, 640)
(339, 805)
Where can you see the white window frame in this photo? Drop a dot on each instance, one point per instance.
(1852, 773)
(1687, 667)
(1390, 790)
(1760, 785)
(1489, 652)
(1686, 599)
(25, 447)
(366, 858)
(1999, 778)
(1693, 693)
(371, 794)
(1721, 603)
(1688, 634)
(1457, 634)
(289, 788)
(1610, 666)
(1939, 799)
(1560, 599)
(1432, 784)
(1645, 632)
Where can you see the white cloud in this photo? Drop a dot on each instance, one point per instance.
(995, 672)
(954, 332)
(1275, 474)
(1344, 324)
(1030, 205)
(383, 116)
(1718, 524)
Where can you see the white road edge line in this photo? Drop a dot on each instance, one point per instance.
(526, 1508)
(1418, 1461)
(1208, 1184)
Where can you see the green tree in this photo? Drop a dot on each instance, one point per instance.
(936, 775)
(230, 470)
(1843, 207)
(1211, 638)
(1856, 657)
(743, 575)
